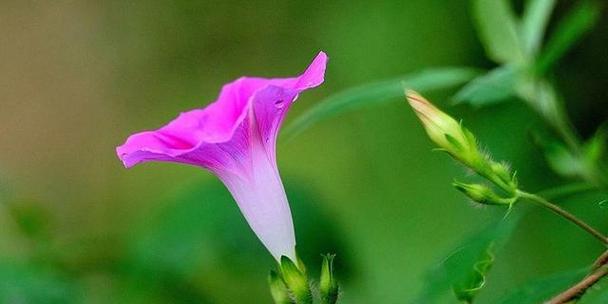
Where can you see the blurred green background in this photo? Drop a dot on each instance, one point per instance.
(77, 77)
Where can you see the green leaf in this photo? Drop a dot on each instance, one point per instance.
(468, 289)
(562, 160)
(534, 22)
(540, 290)
(570, 30)
(464, 270)
(497, 27)
(542, 96)
(595, 148)
(493, 87)
(379, 93)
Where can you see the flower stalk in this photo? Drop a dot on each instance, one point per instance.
(599, 271)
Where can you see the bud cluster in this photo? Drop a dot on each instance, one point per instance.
(461, 144)
(290, 284)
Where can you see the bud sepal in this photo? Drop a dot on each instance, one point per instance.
(278, 290)
(483, 194)
(296, 281)
(328, 285)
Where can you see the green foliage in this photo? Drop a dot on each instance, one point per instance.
(467, 289)
(33, 220)
(533, 24)
(495, 86)
(498, 30)
(540, 290)
(31, 283)
(465, 269)
(570, 30)
(586, 163)
(201, 239)
(378, 93)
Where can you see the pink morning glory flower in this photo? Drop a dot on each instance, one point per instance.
(235, 138)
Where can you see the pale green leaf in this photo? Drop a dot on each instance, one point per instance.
(493, 87)
(569, 31)
(378, 93)
(534, 22)
(563, 161)
(498, 30)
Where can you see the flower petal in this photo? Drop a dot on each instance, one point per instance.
(220, 120)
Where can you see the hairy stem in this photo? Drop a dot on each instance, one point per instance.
(599, 271)
(563, 213)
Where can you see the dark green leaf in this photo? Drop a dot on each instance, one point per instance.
(579, 21)
(464, 270)
(378, 93)
(497, 27)
(534, 22)
(467, 289)
(540, 290)
(493, 87)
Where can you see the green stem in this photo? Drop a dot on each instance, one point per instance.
(563, 213)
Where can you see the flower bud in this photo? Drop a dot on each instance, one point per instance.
(296, 281)
(328, 286)
(278, 290)
(482, 194)
(444, 131)
(461, 144)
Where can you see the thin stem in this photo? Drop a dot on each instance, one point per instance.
(577, 291)
(563, 213)
(601, 260)
(599, 270)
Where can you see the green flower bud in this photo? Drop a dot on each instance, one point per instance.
(482, 194)
(278, 290)
(296, 281)
(460, 143)
(445, 131)
(328, 286)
